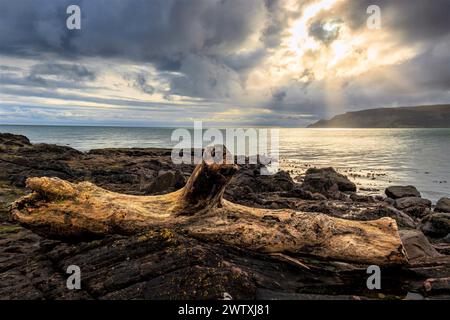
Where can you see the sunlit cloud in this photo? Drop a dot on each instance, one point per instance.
(281, 62)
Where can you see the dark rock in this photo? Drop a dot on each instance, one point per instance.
(8, 194)
(396, 192)
(299, 193)
(248, 182)
(26, 272)
(408, 202)
(120, 170)
(413, 206)
(326, 180)
(11, 140)
(443, 205)
(403, 220)
(250, 177)
(281, 181)
(446, 239)
(163, 264)
(263, 294)
(60, 152)
(417, 245)
(437, 285)
(166, 182)
(318, 197)
(361, 198)
(436, 224)
(442, 247)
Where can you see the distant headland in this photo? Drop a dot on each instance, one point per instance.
(435, 116)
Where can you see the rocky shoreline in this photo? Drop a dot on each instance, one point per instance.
(170, 265)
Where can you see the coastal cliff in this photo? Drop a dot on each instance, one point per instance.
(404, 117)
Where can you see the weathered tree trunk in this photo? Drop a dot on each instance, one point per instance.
(61, 209)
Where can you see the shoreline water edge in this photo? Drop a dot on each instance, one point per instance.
(155, 264)
(373, 158)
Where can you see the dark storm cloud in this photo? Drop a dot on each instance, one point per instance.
(431, 69)
(319, 31)
(140, 82)
(279, 96)
(277, 24)
(207, 78)
(166, 33)
(9, 68)
(196, 46)
(160, 31)
(245, 60)
(422, 24)
(34, 82)
(49, 75)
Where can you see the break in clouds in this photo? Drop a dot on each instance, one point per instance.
(261, 62)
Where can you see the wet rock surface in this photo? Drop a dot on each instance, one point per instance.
(326, 180)
(166, 264)
(166, 181)
(396, 192)
(443, 205)
(414, 206)
(436, 224)
(417, 245)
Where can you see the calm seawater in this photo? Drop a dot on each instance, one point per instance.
(373, 158)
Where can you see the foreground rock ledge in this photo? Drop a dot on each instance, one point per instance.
(60, 209)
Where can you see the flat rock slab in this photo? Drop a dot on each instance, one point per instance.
(396, 192)
(413, 206)
(166, 265)
(417, 245)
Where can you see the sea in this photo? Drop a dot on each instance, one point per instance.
(373, 158)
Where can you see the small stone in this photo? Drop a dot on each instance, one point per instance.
(443, 205)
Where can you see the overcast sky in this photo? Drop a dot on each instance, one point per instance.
(226, 62)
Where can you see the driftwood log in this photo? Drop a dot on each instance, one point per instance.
(57, 208)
